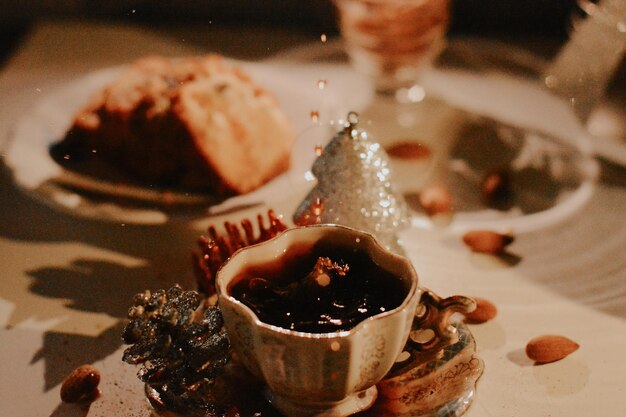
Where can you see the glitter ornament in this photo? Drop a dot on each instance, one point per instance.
(354, 188)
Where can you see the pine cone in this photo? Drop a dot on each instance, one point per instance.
(177, 338)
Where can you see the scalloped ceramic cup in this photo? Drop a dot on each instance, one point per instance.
(318, 374)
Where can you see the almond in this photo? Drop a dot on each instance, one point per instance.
(408, 150)
(487, 241)
(436, 199)
(485, 311)
(550, 348)
(81, 385)
(496, 186)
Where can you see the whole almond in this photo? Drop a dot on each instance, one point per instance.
(550, 348)
(485, 311)
(81, 385)
(487, 241)
(496, 186)
(436, 199)
(408, 150)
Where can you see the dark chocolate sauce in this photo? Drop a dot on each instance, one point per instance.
(323, 289)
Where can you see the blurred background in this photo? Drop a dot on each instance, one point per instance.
(540, 26)
(532, 19)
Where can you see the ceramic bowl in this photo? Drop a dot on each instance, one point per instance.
(318, 374)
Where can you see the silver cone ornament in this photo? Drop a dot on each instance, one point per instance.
(354, 188)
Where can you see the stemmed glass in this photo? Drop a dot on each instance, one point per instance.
(394, 42)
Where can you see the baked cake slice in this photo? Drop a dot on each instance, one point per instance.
(192, 123)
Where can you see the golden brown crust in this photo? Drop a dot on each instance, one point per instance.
(193, 123)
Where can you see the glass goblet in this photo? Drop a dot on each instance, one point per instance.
(393, 40)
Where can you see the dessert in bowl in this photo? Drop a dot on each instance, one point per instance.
(319, 314)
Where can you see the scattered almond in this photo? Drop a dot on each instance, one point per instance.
(487, 241)
(496, 186)
(436, 199)
(81, 385)
(408, 150)
(550, 348)
(485, 311)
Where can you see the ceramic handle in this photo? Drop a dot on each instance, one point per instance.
(433, 313)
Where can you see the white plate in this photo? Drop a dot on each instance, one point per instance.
(475, 79)
(35, 171)
(486, 94)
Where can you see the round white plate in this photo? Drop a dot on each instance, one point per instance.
(35, 171)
